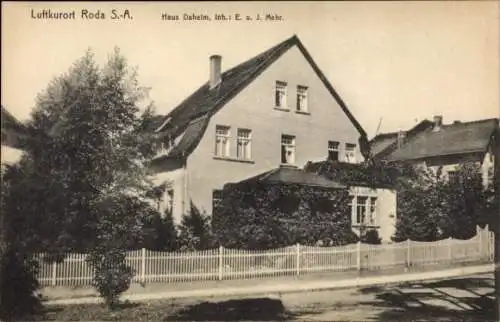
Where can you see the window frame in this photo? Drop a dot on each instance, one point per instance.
(247, 149)
(302, 91)
(227, 143)
(285, 147)
(334, 147)
(280, 102)
(350, 148)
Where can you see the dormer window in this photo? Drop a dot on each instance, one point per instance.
(280, 95)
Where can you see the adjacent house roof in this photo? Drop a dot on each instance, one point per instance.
(191, 116)
(451, 139)
(12, 129)
(292, 175)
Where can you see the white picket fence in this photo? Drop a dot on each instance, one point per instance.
(222, 264)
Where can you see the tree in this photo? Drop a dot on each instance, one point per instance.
(86, 169)
(195, 230)
(18, 270)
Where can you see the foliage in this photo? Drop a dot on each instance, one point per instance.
(162, 233)
(195, 231)
(278, 215)
(431, 207)
(84, 178)
(370, 236)
(18, 281)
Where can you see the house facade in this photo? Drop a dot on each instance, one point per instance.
(257, 117)
(436, 145)
(275, 109)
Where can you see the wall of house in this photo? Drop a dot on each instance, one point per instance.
(177, 182)
(10, 155)
(253, 109)
(385, 211)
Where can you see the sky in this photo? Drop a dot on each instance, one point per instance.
(393, 63)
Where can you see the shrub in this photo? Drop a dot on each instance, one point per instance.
(112, 276)
(18, 284)
(195, 231)
(371, 236)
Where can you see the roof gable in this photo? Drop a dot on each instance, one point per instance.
(204, 102)
(451, 139)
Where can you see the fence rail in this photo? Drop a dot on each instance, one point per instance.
(223, 264)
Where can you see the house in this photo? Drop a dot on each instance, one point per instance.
(437, 145)
(274, 109)
(12, 130)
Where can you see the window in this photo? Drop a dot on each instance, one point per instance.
(287, 149)
(222, 141)
(301, 98)
(216, 199)
(170, 201)
(373, 211)
(361, 210)
(280, 95)
(364, 210)
(244, 144)
(453, 177)
(350, 155)
(333, 150)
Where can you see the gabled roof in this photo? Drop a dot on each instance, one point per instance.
(291, 175)
(451, 139)
(204, 102)
(385, 143)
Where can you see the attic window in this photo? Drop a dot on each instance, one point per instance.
(222, 141)
(280, 95)
(301, 98)
(333, 150)
(350, 154)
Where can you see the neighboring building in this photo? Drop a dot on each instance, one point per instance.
(12, 130)
(275, 109)
(437, 145)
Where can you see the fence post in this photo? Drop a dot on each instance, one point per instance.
(143, 266)
(221, 262)
(408, 253)
(358, 258)
(54, 273)
(480, 235)
(298, 259)
(450, 249)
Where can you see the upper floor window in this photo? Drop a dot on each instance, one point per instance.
(301, 98)
(244, 144)
(170, 201)
(216, 199)
(288, 149)
(333, 150)
(280, 95)
(222, 136)
(350, 153)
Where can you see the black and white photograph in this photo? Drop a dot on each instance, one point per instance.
(250, 161)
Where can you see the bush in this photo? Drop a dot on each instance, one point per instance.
(18, 284)
(371, 236)
(162, 234)
(195, 231)
(112, 276)
(279, 215)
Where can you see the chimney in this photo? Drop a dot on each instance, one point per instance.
(215, 68)
(438, 122)
(401, 138)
